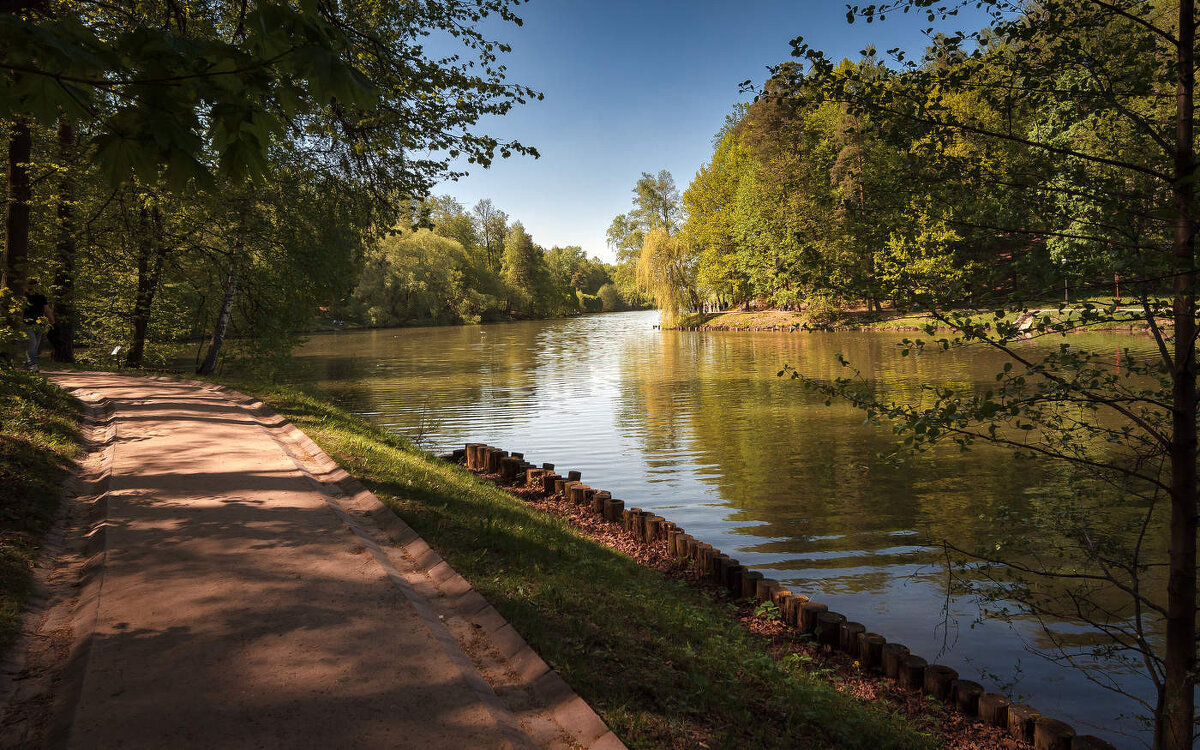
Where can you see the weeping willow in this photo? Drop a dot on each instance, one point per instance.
(666, 271)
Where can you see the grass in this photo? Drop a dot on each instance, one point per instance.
(666, 665)
(737, 320)
(38, 440)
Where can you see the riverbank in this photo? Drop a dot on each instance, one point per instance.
(39, 435)
(862, 320)
(666, 663)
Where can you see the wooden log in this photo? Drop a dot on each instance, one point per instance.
(993, 709)
(809, 611)
(939, 680)
(559, 485)
(651, 527)
(848, 637)
(793, 617)
(548, 467)
(829, 628)
(627, 518)
(892, 654)
(717, 573)
(613, 509)
(509, 468)
(966, 696)
(600, 501)
(1052, 734)
(1090, 742)
(548, 483)
(779, 595)
(495, 456)
(574, 476)
(870, 656)
(469, 454)
(533, 477)
(1020, 721)
(458, 455)
(764, 587)
(589, 498)
(518, 456)
(912, 672)
(681, 544)
(750, 580)
(733, 578)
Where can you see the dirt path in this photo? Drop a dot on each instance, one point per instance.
(234, 589)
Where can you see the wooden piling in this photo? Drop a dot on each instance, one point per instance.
(938, 681)
(494, 457)
(829, 628)
(912, 672)
(870, 656)
(966, 696)
(574, 476)
(809, 611)
(892, 653)
(548, 483)
(1051, 734)
(763, 588)
(599, 501)
(613, 509)
(848, 637)
(993, 709)
(791, 610)
(750, 582)
(469, 454)
(548, 467)
(1020, 721)
(733, 579)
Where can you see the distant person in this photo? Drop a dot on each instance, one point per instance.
(37, 310)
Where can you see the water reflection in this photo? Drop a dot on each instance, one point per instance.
(698, 427)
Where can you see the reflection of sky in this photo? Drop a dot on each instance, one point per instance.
(699, 428)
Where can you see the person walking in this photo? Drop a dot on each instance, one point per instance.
(37, 310)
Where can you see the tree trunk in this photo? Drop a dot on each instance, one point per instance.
(64, 280)
(218, 338)
(150, 262)
(1174, 727)
(16, 236)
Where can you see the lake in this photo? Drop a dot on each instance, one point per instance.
(697, 427)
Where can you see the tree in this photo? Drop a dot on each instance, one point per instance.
(667, 272)
(520, 267)
(1065, 69)
(491, 225)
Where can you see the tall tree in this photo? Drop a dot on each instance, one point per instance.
(1084, 67)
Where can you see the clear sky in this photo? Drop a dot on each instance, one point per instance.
(636, 86)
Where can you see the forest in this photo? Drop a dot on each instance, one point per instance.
(211, 179)
(960, 179)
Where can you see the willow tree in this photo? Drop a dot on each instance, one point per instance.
(666, 271)
(1099, 96)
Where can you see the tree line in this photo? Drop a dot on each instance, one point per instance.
(214, 172)
(445, 264)
(1055, 144)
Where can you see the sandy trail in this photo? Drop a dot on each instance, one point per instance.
(240, 605)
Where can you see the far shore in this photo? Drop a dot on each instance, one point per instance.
(888, 320)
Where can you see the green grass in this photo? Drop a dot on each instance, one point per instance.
(38, 440)
(665, 664)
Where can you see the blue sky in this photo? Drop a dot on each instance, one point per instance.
(633, 86)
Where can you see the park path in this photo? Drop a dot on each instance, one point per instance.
(237, 592)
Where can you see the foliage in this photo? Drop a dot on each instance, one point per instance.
(1067, 125)
(38, 434)
(662, 663)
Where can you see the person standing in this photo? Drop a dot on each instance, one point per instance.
(37, 310)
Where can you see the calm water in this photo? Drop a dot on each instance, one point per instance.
(698, 427)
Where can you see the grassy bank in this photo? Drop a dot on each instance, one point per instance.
(666, 665)
(38, 440)
(863, 320)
